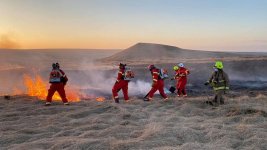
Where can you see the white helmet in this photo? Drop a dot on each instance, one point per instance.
(181, 65)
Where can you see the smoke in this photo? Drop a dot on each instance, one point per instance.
(99, 81)
(96, 79)
(139, 87)
(8, 41)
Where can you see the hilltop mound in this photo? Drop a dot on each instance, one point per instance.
(155, 52)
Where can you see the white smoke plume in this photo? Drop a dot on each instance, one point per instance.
(100, 81)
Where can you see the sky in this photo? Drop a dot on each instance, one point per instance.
(235, 25)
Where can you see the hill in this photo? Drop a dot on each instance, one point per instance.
(149, 52)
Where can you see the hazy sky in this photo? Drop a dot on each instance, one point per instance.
(194, 24)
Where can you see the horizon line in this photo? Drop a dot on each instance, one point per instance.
(264, 51)
(50, 49)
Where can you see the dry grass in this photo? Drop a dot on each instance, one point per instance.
(176, 124)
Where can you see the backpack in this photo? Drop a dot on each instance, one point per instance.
(55, 76)
(128, 74)
(63, 78)
(163, 73)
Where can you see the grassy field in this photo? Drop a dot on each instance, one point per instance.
(176, 124)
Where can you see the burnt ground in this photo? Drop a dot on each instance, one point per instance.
(245, 77)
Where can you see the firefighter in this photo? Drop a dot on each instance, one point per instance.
(58, 80)
(220, 82)
(172, 88)
(181, 79)
(175, 68)
(120, 83)
(158, 84)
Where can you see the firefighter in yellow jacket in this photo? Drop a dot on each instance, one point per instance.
(220, 82)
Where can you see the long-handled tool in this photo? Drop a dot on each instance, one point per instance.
(145, 98)
(172, 88)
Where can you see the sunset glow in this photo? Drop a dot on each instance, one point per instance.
(118, 24)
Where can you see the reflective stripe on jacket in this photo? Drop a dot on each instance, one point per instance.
(155, 75)
(121, 75)
(181, 73)
(219, 80)
(55, 76)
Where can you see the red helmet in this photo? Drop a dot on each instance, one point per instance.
(150, 67)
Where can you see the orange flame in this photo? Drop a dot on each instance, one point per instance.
(37, 87)
(100, 99)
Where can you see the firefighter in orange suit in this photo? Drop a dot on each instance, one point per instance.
(158, 84)
(120, 83)
(181, 77)
(58, 80)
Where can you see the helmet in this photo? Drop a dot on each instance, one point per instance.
(57, 64)
(121, 65)
(181, 65)
(54, 66)
(218, 65)
(175, 68)
(150, 67)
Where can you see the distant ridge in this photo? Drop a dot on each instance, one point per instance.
(150, 52)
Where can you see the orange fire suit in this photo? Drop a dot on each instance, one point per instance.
(58, 80)
(120, 84)
(158, 84)
(181, 77)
